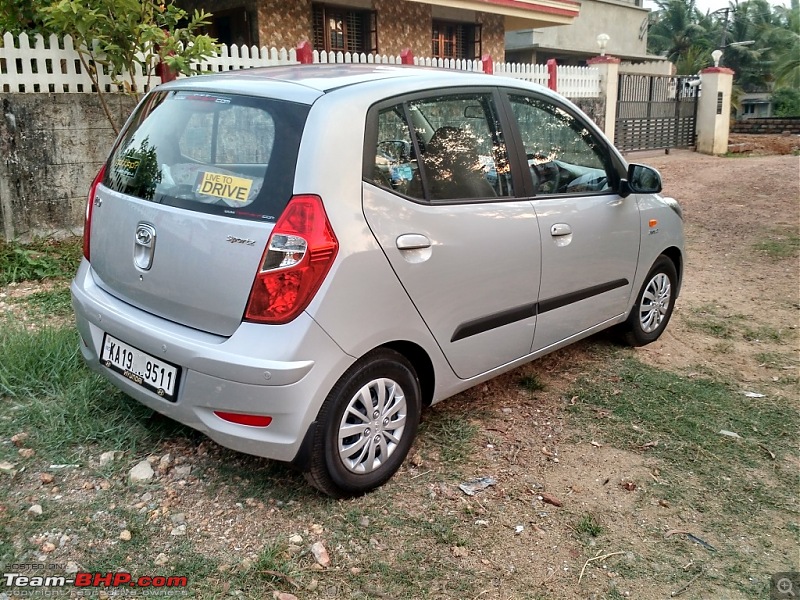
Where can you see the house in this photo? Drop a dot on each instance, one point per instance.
(623, 21)
(430, 28)
(753, 105)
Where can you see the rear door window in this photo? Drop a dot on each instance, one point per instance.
(214, 153)
(441, 148)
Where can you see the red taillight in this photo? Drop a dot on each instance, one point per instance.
(87, 221)
(299, 254)
(243, 419)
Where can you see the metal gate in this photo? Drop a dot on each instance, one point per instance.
(656, 111)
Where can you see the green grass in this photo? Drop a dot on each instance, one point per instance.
(274, 564)
(775, 360)
(40, 259)
(722, 347)
(765, 333)
(712, 320)
(780, 246)
(685, 416)
(47, 392)
(451, 435)
(708, 320)
(43, 305)
(531, 383)
(588, 526)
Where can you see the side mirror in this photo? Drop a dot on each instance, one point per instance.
(641, 180)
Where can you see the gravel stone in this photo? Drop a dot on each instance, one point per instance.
(141, 473)
(320, 554)
(181, 471)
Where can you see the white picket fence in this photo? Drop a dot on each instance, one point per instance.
(527, 72)
(578, 82)
(235, 57)
(53, 65)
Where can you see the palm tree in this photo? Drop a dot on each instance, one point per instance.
(693, 61)
(675, 29)
(787, 66)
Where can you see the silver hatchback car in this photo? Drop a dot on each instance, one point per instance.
(296, 260)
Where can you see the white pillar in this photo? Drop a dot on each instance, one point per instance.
(609, 89)
(714, 110)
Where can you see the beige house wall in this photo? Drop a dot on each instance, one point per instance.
(623, 22)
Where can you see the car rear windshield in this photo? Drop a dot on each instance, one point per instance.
(215, 153)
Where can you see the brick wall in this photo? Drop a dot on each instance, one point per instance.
(284, 24)
(493, 35)
(403, 25)
(768, 125)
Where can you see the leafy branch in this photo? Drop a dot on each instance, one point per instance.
(130, 36)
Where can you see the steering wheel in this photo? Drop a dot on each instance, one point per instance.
(546, 177)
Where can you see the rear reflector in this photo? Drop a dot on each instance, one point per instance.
(243, 419)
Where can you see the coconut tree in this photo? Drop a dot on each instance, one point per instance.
(675, 29)
(787, 63)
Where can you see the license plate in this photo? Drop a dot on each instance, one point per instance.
(141, 368)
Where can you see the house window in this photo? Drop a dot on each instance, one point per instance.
(341, 29)
(456, 40)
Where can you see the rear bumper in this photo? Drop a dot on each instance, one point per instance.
(283, 371)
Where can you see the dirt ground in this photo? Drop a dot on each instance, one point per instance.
(731, 206)
(763, 145)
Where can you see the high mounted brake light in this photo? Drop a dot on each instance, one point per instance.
(299, 254)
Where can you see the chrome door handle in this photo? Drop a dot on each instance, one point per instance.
(560, 229)
(412, 241)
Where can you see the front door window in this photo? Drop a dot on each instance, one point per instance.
(564, 156)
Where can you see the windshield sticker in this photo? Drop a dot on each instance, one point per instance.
(224, 186)
(126, 166)
(199, 97)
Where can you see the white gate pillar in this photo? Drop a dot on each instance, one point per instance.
(609, 89)
(714, 110)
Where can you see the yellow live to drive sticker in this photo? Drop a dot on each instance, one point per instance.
(224, 186)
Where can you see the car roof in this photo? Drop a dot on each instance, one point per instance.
(305, 83)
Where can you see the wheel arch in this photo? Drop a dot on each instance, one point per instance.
(676, 256)
(422, 364)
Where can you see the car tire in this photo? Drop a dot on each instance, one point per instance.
(654, 303)
(366, 425)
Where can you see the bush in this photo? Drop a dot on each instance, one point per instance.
(786, 102)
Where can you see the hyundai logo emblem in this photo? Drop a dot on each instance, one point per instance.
(144, 246)
(145, 234)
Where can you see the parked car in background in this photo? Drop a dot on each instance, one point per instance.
(295, 261)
